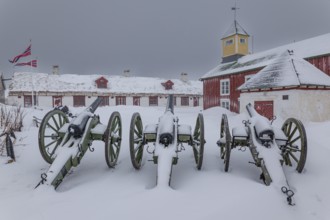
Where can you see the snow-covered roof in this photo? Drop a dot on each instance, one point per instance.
(235, 28)
(22, 81)
(307, 48)
(286, 71)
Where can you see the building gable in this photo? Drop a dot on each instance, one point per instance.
(168, 85)
(101, 83)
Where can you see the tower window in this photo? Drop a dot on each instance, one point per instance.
(242, 40)
(229, 42)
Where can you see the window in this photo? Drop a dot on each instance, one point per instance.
(242, 40)
(105, 100)
(229, 42)
(224, 87)
(136, 100)
(78, 100)
(102, 85)
(184, 101)
(225, 103)
(248, 77)
(196, 101)
(153, 100)
(285, 97)
(174, 100)
(120, 100)
(27, 101)
(57, 101)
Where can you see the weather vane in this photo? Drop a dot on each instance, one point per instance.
(234, 9)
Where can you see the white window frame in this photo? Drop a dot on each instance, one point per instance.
(242, 40)
(225, 103)
(222, 84)
(247, 77)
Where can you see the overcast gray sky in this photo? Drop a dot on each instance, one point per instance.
(150, 37)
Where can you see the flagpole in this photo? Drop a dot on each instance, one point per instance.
(33, 100)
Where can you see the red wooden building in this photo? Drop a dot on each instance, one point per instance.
(221, 83)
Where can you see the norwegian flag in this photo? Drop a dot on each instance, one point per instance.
(32, 63)
(26, 53)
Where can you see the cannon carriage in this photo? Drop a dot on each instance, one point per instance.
(167, 138)
(64, 142)
(257, 133)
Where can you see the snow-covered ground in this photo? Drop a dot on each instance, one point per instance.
(93, 191)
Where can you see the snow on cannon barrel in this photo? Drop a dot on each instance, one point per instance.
(77, 126)
(167, 138)
(271, 147)
(262, 126)
(63, 143)
(166, 124)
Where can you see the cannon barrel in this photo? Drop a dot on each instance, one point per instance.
(252, 112)
(170, 104)
(92, 108)
(77, 127)
(262, 125)
(166, 123)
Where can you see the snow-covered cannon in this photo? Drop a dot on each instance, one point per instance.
(167, 137)
(270, 146)
(63, 143)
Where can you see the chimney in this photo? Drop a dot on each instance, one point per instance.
(184, 77)
(56, 70)
(126, 73)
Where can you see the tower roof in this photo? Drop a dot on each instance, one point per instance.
(285, 71)
(235, 28)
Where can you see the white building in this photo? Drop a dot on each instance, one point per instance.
(81, 90)
(289, 87)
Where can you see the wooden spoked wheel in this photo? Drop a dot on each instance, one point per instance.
(113, 137)
(49, 137)
(295, 152)
(199, 141)
(225, 141)
(136, 144)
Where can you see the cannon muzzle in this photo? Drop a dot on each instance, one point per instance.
(166, 128)
(92, 108)
(252, 112)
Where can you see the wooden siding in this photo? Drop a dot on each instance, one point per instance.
(211, 89)
(211, 92)
(321, 62)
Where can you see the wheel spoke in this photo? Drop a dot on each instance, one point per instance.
(293, 132)
(50, 136)
(293, 156)
(52, 127)
(294, 140)
(138, 133)
(115, 131)
(61, 121)
(137, 148)
(50, 143)
(289, 128)
(55, 122)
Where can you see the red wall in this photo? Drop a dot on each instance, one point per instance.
(321, 62)
(211, 90)
(211, 93)
(211, 87)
